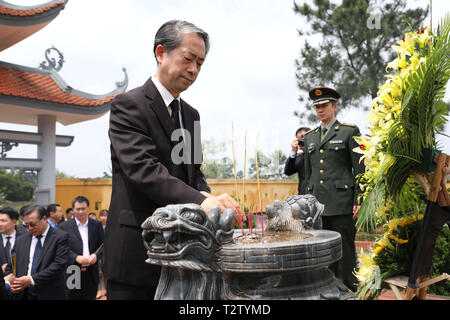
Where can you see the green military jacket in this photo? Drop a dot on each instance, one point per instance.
(331, 167)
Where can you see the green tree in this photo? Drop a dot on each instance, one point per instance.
(352, 46)
(269, 167)
(15, 187)
(216, 165)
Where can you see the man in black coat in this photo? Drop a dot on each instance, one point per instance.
(156, 158)
(9, 233)
(41, 259)
(86, 241)
(296, 161)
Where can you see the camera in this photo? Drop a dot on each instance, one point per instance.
(301, 142)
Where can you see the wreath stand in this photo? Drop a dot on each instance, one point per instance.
(436, 215)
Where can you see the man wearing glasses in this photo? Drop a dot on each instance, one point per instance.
(40, 259)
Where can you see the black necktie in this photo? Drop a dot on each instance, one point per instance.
(37, 253)
(174, 106)
(8, 249)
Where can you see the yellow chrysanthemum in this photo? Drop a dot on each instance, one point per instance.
(398, 240)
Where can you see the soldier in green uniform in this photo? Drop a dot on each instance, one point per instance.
(331, 167)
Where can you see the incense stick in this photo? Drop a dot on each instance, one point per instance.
(259, 187)
(235, 178)
(234, 160)
(245, 164)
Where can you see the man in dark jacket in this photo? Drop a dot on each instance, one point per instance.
(86, 241)
(296, 161)
(156, 158)
(41, 259)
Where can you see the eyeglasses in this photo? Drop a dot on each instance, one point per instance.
(30, 225)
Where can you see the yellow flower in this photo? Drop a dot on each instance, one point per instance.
(401, 241)
(378, 249)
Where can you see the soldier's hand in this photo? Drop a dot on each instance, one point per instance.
(355, 212)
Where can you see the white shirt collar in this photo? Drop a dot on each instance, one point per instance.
(78, 222)
(45, 232)
(165, 94)
(12, 235)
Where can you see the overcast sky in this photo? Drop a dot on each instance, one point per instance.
(248, 77)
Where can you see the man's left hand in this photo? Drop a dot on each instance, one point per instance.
(20, 283)
(92, 259)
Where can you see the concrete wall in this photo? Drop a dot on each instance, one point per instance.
(98, 191)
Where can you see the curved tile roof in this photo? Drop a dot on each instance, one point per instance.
(12, 10)
(42, 86)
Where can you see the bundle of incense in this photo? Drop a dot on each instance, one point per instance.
(98, 249)
(96, 252)
(13, 263)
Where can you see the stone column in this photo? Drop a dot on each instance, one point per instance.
(45, 191)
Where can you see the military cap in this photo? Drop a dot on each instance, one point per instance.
(323, 95)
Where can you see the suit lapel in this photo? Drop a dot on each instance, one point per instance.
(188, 124)
(91, 229)
(73, 225)
(47, 241)
(159, 107)
(26, 256)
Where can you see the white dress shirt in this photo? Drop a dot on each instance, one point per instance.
(83, 228)
(34, 241)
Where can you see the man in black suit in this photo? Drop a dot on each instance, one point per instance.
(41, 259)
(296, 161)
(9, 233)
(86, 240)
(156, 158)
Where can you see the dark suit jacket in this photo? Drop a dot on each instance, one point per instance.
(331, 167)
(3, 259)
(297, 165)
(95, 239)
(144, 178)
(5, 292)
(49, 278)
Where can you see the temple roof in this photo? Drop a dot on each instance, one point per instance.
(26, 92)
(19, 22)
(15, 10)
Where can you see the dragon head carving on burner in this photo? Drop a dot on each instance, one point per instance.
(186, 237)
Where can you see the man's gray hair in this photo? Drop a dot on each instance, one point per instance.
(169, 35)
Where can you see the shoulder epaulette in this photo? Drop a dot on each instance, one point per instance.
(349, 125)
(315, 129)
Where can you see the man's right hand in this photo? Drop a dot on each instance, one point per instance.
(224, 201)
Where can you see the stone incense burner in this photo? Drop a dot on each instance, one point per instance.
(203, 258)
